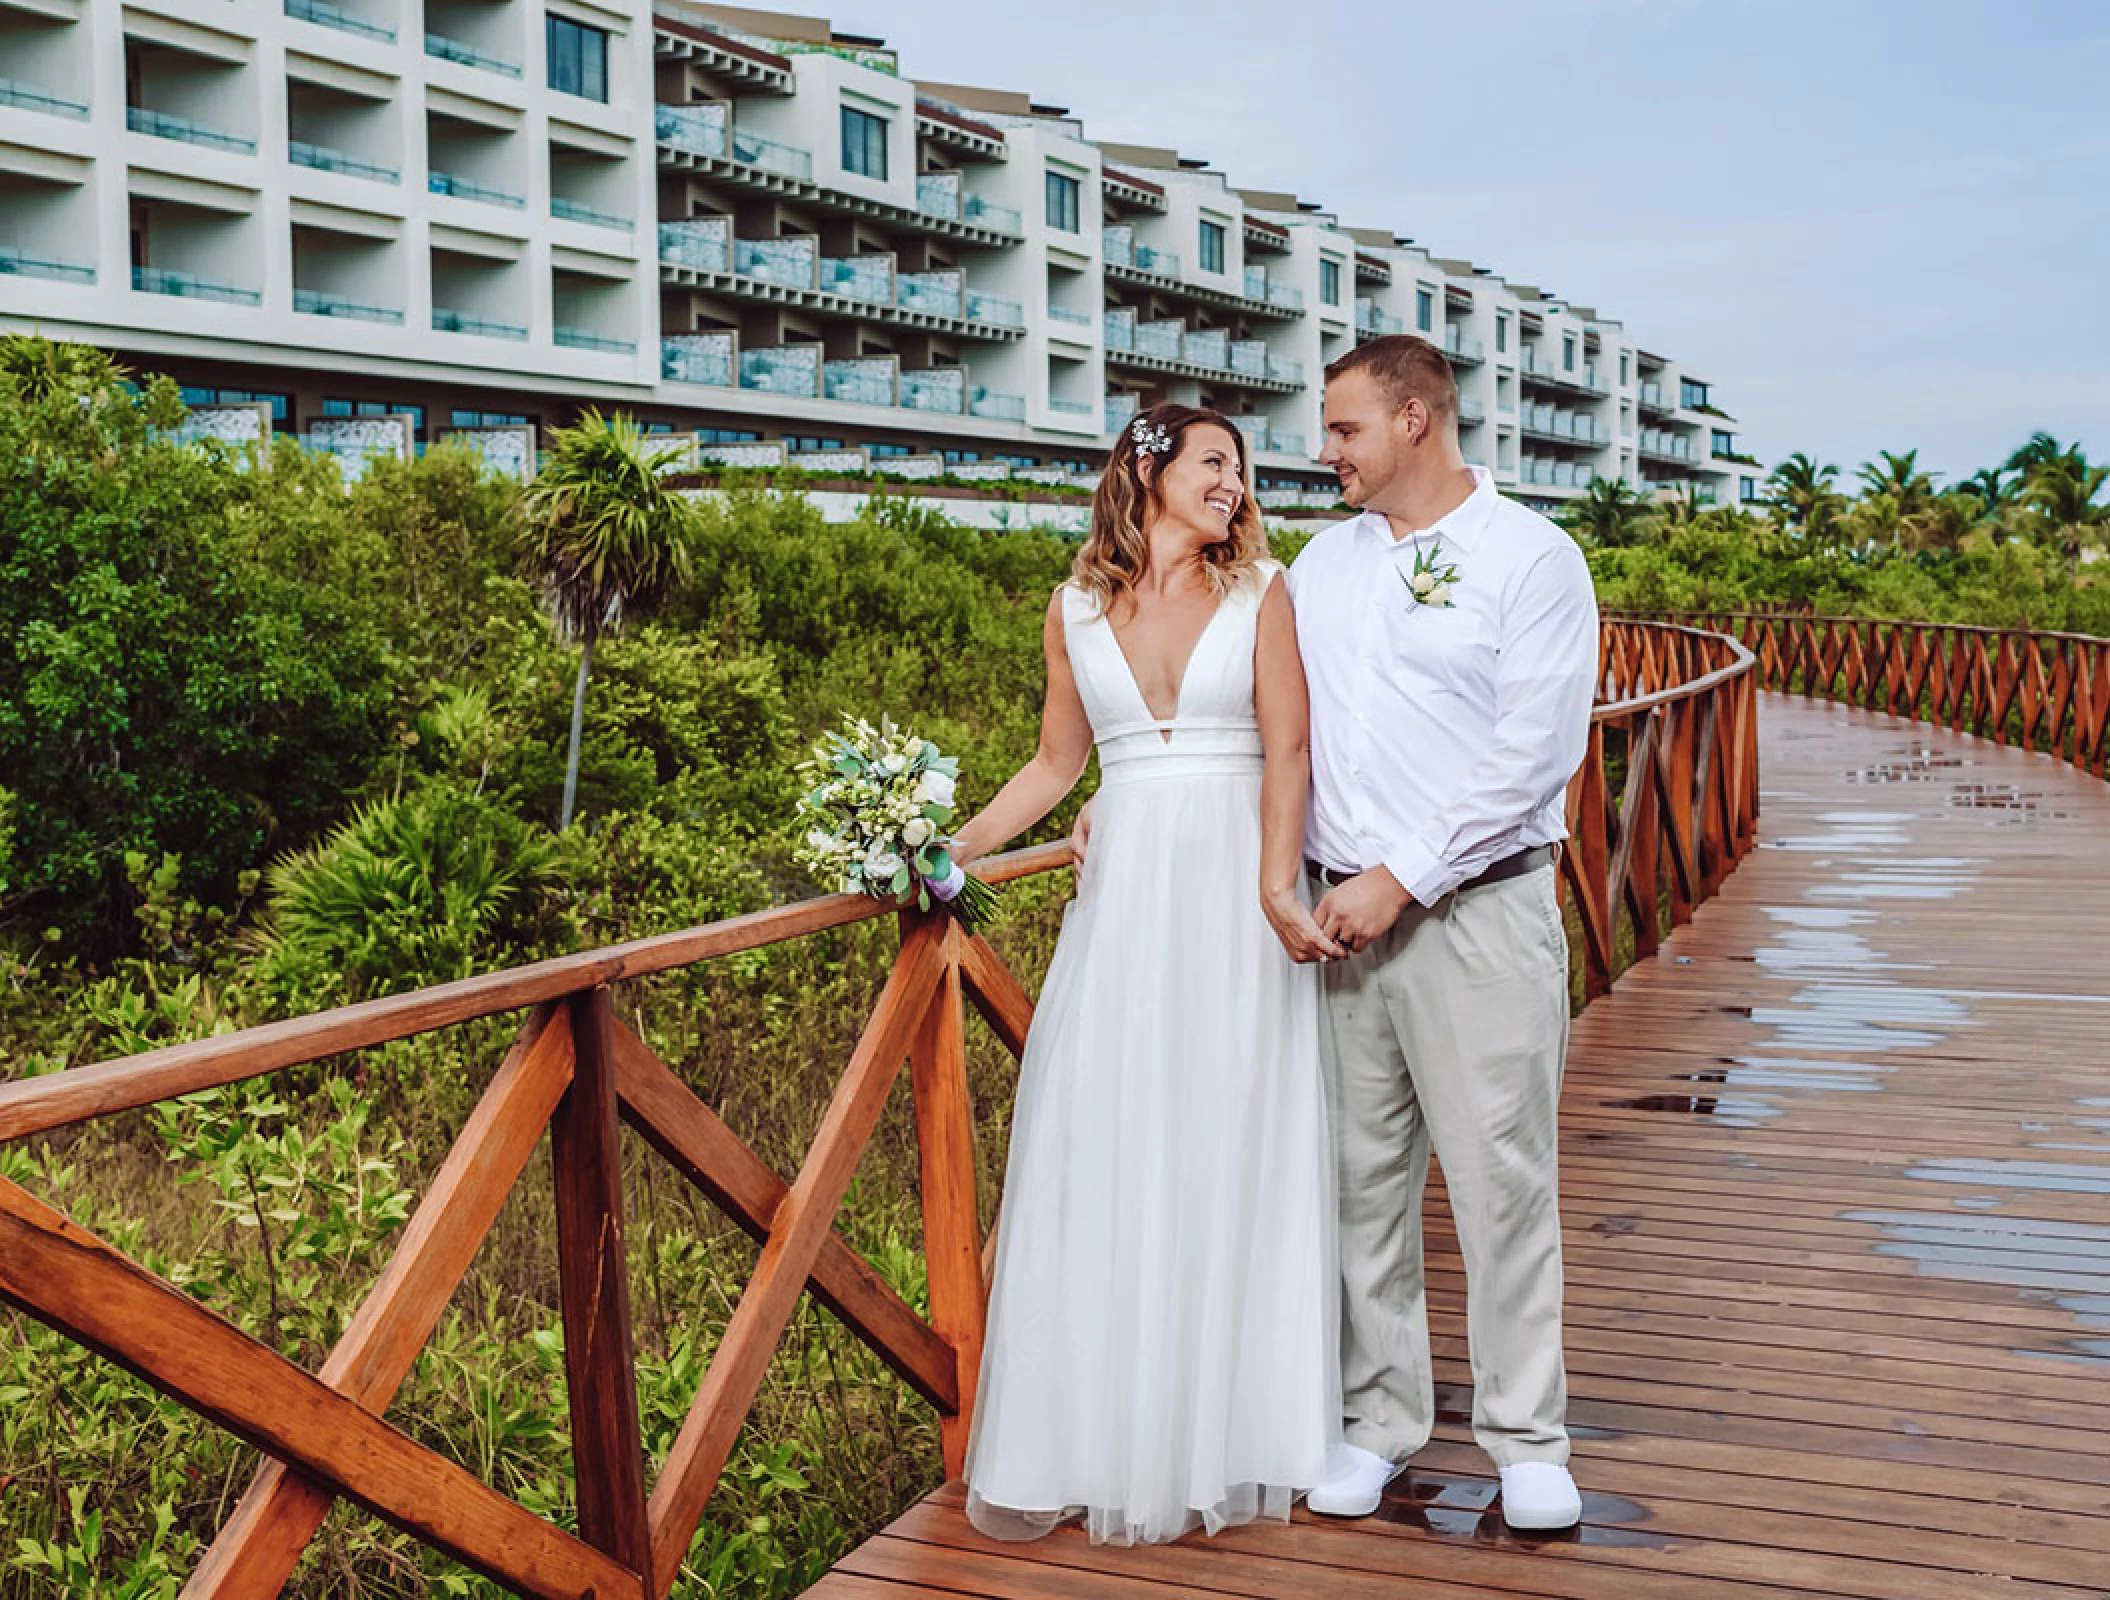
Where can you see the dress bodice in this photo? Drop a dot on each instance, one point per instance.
(1213, 729)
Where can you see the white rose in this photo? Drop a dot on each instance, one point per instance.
(823, 843)
(881, 864)
(1440, 596)
(892, 765)
(935, 789)
(916, 832)
(1422, 583)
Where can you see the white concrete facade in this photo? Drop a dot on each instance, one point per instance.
(742, 224)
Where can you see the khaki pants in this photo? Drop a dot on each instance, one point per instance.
(1450, 1030)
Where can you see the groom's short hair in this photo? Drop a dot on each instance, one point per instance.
(1404, 368)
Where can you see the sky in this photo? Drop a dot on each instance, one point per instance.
(1873, 224)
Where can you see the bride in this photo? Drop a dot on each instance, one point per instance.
(1162, 1348)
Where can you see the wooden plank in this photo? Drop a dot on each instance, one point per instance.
(593, 1279)
(257, 1549)
(69, 1279)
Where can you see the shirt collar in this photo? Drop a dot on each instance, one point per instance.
(1460, 528)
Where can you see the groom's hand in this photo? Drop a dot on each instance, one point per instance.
(1362, 908)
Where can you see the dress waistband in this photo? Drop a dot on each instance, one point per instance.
(1200, 747)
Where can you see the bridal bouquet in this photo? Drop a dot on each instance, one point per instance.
(876, 820)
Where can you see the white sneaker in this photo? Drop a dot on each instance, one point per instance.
(1355, 1481)
(1539, 1494)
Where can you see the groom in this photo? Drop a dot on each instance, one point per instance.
(1450, 640)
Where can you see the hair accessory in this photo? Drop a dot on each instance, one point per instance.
(1150, 438)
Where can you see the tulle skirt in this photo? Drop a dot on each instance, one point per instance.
(1162, 1346)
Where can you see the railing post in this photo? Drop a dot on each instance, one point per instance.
(608, 1458)
(952, 1228)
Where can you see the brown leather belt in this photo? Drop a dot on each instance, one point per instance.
(1514, 866)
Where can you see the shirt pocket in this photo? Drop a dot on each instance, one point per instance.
(1449, 650)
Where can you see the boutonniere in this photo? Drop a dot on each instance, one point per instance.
(1433, 578)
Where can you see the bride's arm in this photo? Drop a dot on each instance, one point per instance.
(1283, 709)
(1037, 787)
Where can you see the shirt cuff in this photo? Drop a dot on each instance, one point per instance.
(1421, 870)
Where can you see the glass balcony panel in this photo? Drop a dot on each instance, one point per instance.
(866, 278)
(1081, 319)
(1117, 242)
(697, 358)
(995, 310)
(576, 211)
(1281, 294)
(25, 98)
(1120, 411)
(1160, 339)
(316, 303)
(1070, 408)
(793, 262)
(587, 339)
(1256, 283)
(482, 194)
(941, 389)
(14, 263)
(782, 369)
(1287, 444)
(1209, 349)
(1002, 407)
(987, 214)
(937, 294)
(1162, 262)
(324, 159)
(1283, 371)
(704, 243)
(698, 129)
(332, 17)
(1119, 328)
(938, 194)
(446, 49)
(1249, 356)
(445, 320)
(1255, 430)
(159, 280)
(868, 381)
(162, 125)
(772, 155)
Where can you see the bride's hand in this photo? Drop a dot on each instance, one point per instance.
(1292, 921)
(1080, 836)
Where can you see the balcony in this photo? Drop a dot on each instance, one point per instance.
(1657, 445)
(1463, 352)
(1470, 413)
(790, 369)
(15, 264)
(442, 48)
(1208, 355)
(995, 311)
(579, 211)
(1288, 444)
(317, 303)
(1655, 402)
(792, 262)
(1562, 427)
(448, 321)
(699, 130)
(935, 294)
(1120, 411)
(571, 338)
(1582, 380)
(329, 16)
(23, 98)
(482, 194)
(323, 159)
(186, 286)
(1070, 408)
(999, 407)
(1081, 319)
(1259, 286)
(773, 155)
(705, 358)
(163, 125)
(867, 287)
(1371, 323)
(939, 194)
(702, 244)
(1556, 474)
(939, 389)
(869, 279)
(865, 381)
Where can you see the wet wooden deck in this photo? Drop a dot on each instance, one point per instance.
(1837, 1190)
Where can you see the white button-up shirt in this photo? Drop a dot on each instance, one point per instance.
(1443, 738)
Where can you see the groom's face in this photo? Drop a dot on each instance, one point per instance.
(1366, 442)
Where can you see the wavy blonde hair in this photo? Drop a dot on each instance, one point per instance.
(1117, 551)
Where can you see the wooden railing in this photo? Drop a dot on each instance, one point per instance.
(1677, 712)
(2039, 691)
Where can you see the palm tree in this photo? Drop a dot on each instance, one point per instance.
(2040, 450)
(1805, 497)
(1992, 485)
(1606, 514)
(603, 539)
(2062, 492)
(1896, 496)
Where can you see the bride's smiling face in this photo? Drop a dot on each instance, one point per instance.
(1203, 485)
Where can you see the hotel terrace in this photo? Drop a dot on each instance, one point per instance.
(374, 223)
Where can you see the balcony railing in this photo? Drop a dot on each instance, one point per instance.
(1081, 319)
(699, 130)
(988, 214)
(1161, 339)
(1653, 398)
(186, 286)
(698, 358)
(446, 49)
(1070, 408)
(704, 243)
(1001, 407)
(318, 303)
(1471, 411)
(1120, 411)
(1583, 377)
(1557, 474)
(772, 155)
(1463, 351)
(792, 262)
(574, 338)
(324, 159)
(23, 98)
(1255, 430)
(938, 194)
(1372, 323)
(482, 194)
(1283, 371)
(940, 389)
(579, 211)
(331, 17)
(14, 263)
(446, 321)
(865, 382)
(866, 278)
(793, 369)
(163, 125)
(1286, 444)
(937, 294)
(1118, 328)
(995, 310)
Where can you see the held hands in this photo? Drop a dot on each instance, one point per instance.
(1293, 925)
(1362, 908)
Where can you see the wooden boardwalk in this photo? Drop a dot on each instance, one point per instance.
(1837, 1191)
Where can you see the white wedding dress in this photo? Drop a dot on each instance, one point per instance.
(1162, 1345)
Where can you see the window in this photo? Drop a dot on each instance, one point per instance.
(1692, 394)
(1501, 335)
(1212, 250)
(881, 451)
(1063, 192)
(1624, 358)
(1424, 310)
(1330, 281)
(1567, 352)
(1749, 488)
(1724, 442)
(578, 59)
(864, 143)
(484, 419)
(281, 405)
(727, 436)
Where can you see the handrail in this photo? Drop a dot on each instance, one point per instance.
(2034, 689)
(1677, 703)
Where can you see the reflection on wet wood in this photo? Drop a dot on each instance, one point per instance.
(1836, 1185)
